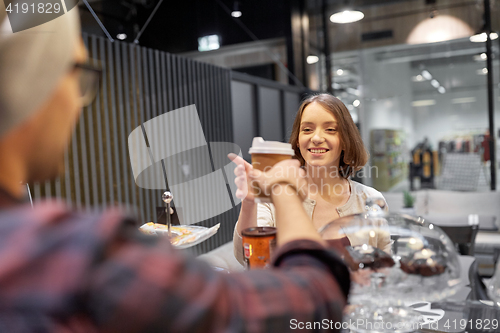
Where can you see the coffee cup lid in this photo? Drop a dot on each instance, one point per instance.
(260, 146)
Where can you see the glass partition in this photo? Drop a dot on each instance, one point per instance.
(423, 113)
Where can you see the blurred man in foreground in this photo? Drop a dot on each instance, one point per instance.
(68, 271)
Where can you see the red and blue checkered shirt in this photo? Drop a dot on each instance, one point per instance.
(64, 271)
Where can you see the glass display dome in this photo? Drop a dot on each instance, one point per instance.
(395, 260)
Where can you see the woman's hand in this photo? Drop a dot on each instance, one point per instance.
(242, 181)
(287, 172)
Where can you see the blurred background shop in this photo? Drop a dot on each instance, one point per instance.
(408, 70)
(419, 77)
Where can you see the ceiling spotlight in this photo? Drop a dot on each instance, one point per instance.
(417, 78)
(312, 59)
(480, 57)
(426, 75)
(441, 90)
(236, 10)
(482, 71)
(340, 71)
(356, 103)
(347, 16)
(121, 36)
(435, 83)
(481, 38)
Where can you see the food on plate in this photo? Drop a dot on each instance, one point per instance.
(367, 256)
(424, 262)
(182, 235)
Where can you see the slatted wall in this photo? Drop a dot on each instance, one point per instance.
(138, 84)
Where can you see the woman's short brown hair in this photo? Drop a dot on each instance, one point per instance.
(353, 156)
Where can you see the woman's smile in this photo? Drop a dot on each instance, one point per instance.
(319, 139)
(318, 151)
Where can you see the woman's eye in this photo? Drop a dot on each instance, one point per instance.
(331, 130)
(306, 130)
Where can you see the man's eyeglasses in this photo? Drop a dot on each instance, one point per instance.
(89, 82)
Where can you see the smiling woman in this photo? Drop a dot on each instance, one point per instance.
(328, 145)
(318, 137)
(334, 113)
(330, 149)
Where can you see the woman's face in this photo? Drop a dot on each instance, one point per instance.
(319, 139)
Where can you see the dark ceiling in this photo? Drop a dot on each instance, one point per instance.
(177, 25)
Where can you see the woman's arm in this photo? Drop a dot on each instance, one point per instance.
(247, 219)
(248, 212)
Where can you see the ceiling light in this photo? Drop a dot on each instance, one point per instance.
(356, 103)
(463, 100)
(480, 57)
(439, 29)
(481, 38)
(340, 71)
(236, 10)
(441, 90)
(417, 78)
(312, 59)
(438, 36)
(482, 71)
(435, 83)
(424, 102)
(347, 16)
(426, 75)
(208, 43)
(121, 36)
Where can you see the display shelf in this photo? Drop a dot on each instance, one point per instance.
(389, 156)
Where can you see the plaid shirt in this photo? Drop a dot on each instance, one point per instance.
(64, 271)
